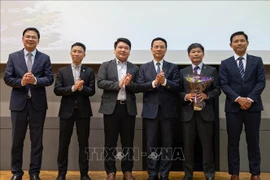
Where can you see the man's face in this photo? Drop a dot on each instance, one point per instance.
(122, 51)
(196, 56)
(77, 54)
(239, 44)
(158, 50)
(30, 40)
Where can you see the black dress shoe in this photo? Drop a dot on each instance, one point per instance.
(211, 178)
(152, 178)
(85, 177)
(164, 178)
(16, 177)
(34, 177)
(61, 177)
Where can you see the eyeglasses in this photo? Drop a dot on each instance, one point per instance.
(31, 37)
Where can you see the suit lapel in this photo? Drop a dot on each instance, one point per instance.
(204, 70)
(165, 67)
(249, 65)
(234, 66)
(83, 69)
(129, 68)
(36, 61)
(22, 63)
(114, 70)
(70, 74)
(152, 69)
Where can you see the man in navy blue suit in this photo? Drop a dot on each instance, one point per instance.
(242, 79)
(28, 72)
(159, 82)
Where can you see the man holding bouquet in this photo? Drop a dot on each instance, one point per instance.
(199, 88)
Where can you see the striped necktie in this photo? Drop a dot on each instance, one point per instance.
(195, 70)
(241, 67)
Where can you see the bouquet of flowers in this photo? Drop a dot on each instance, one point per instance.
(197, 84)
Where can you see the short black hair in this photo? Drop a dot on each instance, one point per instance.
(159, 39)
(124, 40)
(239, 33)
(79, 44)
(195, 45)
(32, 29)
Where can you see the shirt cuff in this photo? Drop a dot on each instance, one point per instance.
(153, 84)
(236, 99)
(72, 89)
(165, 82)
(185, 98)
(250, 99)
(81, 88)
(35, 83)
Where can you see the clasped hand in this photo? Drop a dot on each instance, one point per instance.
(244, 103)
(126, 79)
(199, 96)
(160, 78)
(78, 84)
(28, 78)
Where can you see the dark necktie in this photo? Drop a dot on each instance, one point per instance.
(195, 70)
(241, 67)
(158, 67)
(29, 61)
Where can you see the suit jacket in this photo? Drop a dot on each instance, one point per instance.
(212, 91)
(16, 68)
(63, 84)
(164, 97)
(251, 86)
(107, 80)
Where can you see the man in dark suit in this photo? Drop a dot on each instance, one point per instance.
(242, 79)
(28, 72)
(159, 82)
(117, 78)
(198, 122)
(75, 83)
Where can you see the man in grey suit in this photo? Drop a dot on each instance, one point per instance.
(28, 72)
(75, 83)
(159, 82)
(198, 122)
(117, 78)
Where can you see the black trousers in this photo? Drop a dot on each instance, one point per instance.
(235, 122)
(20, 121)
(66, 130)
(119, 123)
(205, 131)
(159, 141)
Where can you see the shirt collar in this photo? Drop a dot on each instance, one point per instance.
(74, 66)
(200, 65)
(237, 56)
(161, 62)
(33, 52)
(120, 62)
